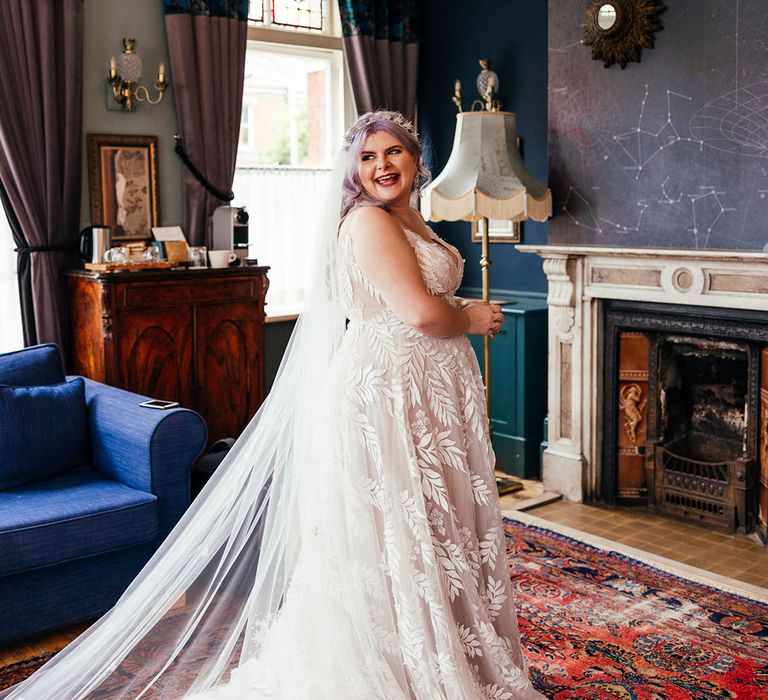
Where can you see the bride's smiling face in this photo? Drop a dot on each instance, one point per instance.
(386, 169)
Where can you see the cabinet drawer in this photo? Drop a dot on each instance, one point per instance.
(148, 296)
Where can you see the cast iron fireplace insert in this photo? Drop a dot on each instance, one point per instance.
(692, 416)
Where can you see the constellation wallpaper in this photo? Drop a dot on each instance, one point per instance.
(672, 151)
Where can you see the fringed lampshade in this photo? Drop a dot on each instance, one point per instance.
(485, 177)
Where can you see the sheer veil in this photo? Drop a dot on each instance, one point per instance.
(208, 599)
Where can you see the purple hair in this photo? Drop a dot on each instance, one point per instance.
(353, 193)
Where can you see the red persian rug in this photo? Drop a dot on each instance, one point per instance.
(601, 625)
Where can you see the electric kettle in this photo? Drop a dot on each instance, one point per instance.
(94, 242)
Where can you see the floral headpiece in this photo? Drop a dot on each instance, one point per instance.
(371, 118)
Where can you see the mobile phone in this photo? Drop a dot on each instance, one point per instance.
(159, 403)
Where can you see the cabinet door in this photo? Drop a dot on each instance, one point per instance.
(228, 368)
(518, 386)
(154, 354)
(509, 439)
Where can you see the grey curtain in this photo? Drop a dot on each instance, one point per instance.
(41, 54)
(382, 50)
(207, 43)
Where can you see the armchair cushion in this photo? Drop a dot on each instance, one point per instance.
(43, 431)
(34, 366)
(78, 514)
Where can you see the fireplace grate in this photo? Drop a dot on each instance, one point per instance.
(705, 492)
(675, 500)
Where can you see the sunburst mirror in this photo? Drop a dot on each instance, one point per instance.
(618, 30)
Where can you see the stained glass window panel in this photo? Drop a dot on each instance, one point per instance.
(299, 14)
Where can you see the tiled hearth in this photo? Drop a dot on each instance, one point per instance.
(722, 294)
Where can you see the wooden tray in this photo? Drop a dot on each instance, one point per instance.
(130, 266)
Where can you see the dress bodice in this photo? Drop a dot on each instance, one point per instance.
(441, 265)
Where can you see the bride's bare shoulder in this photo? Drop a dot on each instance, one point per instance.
(371, 219)
(369, 212)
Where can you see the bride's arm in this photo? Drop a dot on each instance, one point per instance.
(389, 262)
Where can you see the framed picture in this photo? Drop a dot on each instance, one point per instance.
(122, 173)
(498, 231)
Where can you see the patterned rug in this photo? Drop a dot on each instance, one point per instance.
(598, 624)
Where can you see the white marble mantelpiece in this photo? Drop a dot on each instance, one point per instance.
(579, 277)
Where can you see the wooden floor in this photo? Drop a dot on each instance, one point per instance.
(39, 645)
(735, 556)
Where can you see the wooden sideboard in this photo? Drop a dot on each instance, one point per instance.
(192, 336)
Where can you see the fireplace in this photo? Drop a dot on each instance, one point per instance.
(658, 381)
(682, 395)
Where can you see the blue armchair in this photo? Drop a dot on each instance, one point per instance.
(81, 514)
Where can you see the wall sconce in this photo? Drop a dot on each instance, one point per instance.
(123, 78)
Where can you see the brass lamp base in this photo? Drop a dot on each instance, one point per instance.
(485, 267)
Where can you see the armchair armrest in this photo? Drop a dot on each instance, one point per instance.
(144, 448)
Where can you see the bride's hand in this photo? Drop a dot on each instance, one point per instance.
(484, 318)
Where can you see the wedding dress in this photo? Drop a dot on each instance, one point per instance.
(350, 547)
(415, 510)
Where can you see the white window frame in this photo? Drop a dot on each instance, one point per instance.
(268, 37)
(248, 145)
(338, 115)
(283, 38)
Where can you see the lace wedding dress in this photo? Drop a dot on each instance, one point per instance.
(349, 547)
(414, 509)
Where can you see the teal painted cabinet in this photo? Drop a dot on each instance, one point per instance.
(518, 384)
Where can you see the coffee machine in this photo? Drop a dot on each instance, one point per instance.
(229, 231)
(94, 242)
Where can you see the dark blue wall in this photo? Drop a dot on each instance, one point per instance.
(513, 34)
(673, 151)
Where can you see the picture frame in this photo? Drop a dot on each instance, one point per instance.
(498, 231)
(122, 176)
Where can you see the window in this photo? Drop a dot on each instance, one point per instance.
(11, 336)
(295, 107)
(302, 15)
(289, 116)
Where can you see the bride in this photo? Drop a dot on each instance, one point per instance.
(350, 546)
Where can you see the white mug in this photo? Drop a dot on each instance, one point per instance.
(221, 258)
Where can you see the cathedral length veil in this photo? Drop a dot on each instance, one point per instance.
(308, 569)
(205, 599)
